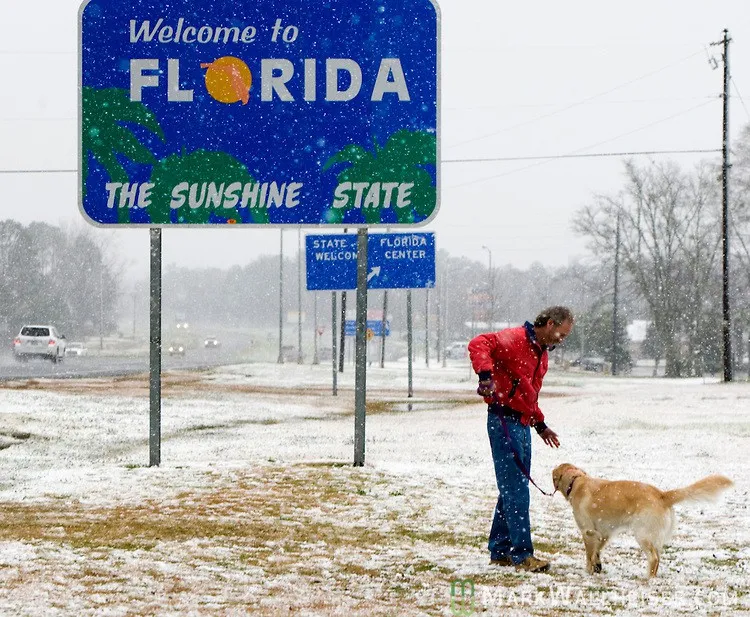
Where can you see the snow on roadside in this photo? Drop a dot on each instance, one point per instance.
(263, 453)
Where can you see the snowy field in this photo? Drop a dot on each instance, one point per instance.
(256, 508)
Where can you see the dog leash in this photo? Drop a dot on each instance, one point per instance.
(516, 456)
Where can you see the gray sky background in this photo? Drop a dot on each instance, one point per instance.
(519, 79)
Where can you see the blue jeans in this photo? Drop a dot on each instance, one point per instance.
(510, 535)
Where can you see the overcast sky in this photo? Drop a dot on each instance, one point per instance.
(519, 79)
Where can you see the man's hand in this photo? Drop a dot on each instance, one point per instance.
(486, 387)
(550, 438)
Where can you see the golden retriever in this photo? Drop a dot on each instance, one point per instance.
(602, 508)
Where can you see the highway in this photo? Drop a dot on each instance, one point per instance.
(94, 365)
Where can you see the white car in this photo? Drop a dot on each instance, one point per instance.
(41, 342)
(457, 350)
(76, 349)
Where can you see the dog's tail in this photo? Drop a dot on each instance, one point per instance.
(703, 490)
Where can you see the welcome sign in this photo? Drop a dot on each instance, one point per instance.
(319, 112)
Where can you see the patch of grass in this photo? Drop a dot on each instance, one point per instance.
(317, 521)
(17, 435)
(28, 384)
(726, 562)
(445, 538)
(206, 427)
(390, 406)
(358, 570)
(553, 548)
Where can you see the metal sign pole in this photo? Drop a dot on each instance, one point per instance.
(154, 435)
(334, 334)
(316, 358)
(281, 297)
(409, 340)
(299, 295)
(427, 327)
(360, 368)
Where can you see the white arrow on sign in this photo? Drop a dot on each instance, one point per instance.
(374, 272)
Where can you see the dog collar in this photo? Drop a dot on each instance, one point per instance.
(570, 487)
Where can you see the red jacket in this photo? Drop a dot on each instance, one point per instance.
(514, 357)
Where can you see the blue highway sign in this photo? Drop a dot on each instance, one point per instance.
(376, 325)
(394, 261)
(258, 112)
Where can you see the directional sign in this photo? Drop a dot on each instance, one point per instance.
(401, 261)
(373, 325)
(394, 261)
(258, 112)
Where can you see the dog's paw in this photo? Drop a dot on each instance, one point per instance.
(595, 568)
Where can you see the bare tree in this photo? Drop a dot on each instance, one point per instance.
(669, 247)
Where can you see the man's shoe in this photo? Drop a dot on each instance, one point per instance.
(501, 561)
(532, 564)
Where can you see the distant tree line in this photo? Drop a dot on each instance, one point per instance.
(669, 255)
(467, 299)
(51, 275)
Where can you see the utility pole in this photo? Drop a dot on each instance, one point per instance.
(342, 340)
(101, 305)
(726, 324)
(445, 310)
(491, 312)
(383, 321)
(135, 299)
(615, 340)
(439, 324)
(427, 326)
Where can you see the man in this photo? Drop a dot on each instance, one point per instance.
(511, 365)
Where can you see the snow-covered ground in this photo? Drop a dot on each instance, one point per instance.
(256, 508)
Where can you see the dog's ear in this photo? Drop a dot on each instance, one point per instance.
(563, 476)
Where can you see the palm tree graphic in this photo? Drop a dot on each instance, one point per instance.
(105, 114)
(201, 167)
(404, 158)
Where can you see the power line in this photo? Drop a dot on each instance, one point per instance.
(581, 102)
(611, 102)
(475, 160)
(38, 119)
(38, 171)
(739, 96)
(51, 52)
(580, 150)
(580, 156)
